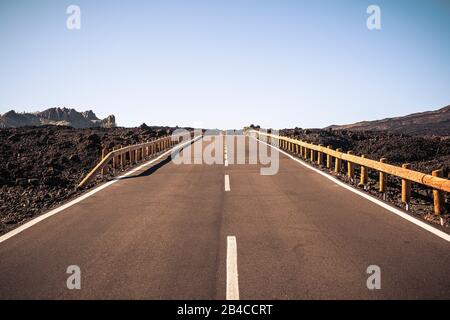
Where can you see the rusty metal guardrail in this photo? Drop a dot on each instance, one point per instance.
(316, 153)
(132, 154)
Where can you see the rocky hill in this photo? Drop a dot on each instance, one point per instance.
(56, 116)
(424, 123)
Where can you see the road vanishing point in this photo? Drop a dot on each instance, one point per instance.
(223, 231)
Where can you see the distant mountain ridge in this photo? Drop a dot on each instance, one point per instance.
(56, 116)
(435, 122)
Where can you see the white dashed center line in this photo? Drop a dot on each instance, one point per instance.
(225, 155)
(232, 272)
(227, 183)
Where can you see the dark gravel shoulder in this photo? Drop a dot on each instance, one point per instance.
(40, 167)
(424, 153)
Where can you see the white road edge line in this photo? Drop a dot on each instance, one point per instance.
(232, 271)
(36, 220)
(227, 183)
(386, 206)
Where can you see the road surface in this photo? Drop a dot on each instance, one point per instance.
(177, 232)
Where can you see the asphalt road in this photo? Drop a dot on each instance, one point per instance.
(164, 233)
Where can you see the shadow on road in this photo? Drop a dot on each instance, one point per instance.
(155, 167)
(150, 170)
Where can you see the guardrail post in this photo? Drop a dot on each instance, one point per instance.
(406, 188)
(147, 154)
(319, 156)
(337, 162)
(438, 196)
(363, 180)
(114, 160)
(328, 158)
(104, 152)
(383, 177)
(350, 168)
(122, 158)
(312, 155)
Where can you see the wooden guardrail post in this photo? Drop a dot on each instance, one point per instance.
(337, 162)
(406, 188)
(438, 196)
(363, 178)
(328, 158)
(114, 161)
(383, 177)
(147, 154)
(312, 153)
(319, 156)
(122, 158)
(104, 152)
(350, 168)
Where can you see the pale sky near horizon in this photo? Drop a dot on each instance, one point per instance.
(226, 64)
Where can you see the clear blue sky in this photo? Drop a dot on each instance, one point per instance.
(226, 63)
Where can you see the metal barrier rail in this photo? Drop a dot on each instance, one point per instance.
(317, 152)
(135, 153)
